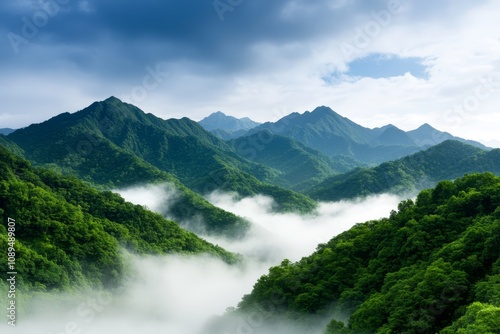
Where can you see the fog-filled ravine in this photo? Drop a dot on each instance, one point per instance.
(179, 294)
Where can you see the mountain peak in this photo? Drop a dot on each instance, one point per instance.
(392, 135)
(425, 126)
(113, 99)
(322, 110)
(220, 121)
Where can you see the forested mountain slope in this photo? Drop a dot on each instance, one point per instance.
(446, 161)
(111, 142)
(69, 235)
(110, 166)
(301, 165)
(433, 266)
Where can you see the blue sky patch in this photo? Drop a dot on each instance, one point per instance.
(382, 66)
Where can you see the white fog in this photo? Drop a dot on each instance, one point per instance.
(178, 294)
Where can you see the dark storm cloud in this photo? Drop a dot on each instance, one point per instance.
(113, 34)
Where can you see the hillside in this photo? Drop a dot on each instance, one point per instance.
(301, 166)
(69, 235)
(111, 135)
(432, 267)
(446, 161)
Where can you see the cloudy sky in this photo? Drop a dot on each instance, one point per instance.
(376, 62)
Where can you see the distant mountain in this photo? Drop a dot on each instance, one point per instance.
(6, 131)
(302, 166)
(446, 161)
(230, 124)
(226, 135)
(392, 135)
(112, 131)
(426, 135)
(326, 131)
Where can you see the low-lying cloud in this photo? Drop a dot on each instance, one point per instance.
(275, 236)
(179, 294)
(156, 197)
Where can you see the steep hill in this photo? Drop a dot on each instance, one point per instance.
(68, 234)
(432, 267)
(446, 161)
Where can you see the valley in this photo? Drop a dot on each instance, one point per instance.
(158, 218)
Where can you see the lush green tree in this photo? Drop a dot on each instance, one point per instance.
(479, 319)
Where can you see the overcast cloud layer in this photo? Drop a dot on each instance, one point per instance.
(261, 59)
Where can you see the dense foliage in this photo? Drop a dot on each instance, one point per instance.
(69, 235)
(433, 266)
(446, 161)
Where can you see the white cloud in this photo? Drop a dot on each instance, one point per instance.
(275, 236)
(157, 197)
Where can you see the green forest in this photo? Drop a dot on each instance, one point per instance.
(69, 235)
(431, 267)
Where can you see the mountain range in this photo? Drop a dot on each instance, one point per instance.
(328, 132)
(115, 144)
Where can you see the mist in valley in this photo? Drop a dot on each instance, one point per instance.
(180, 294)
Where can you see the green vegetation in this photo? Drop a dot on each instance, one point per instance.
(448, 160)
(5, 142)
(69, 235)
(433, 266)
(301, 166)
